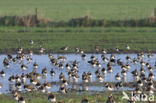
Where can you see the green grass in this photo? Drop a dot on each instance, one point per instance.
(139, 39)
(67, 9)
(73, 97)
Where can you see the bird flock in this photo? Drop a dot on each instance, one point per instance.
(70, 78)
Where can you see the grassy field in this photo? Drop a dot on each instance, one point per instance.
(67, 9)
(139, 39)
(67, 98)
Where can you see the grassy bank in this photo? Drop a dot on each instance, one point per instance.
(139, 39)
(67, 9)
(74, 97)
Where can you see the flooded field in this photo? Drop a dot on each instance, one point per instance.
(94, 84)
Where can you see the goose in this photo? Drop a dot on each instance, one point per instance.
(51, 56)
(12, 78)
(128, 66)
(150, 68)
(31, 42)
(19, 57)
(110, 87)
(123, 67)
(89, 76)
(29, 88)
(92, 57)
(61, 76)
(127, 47)
(142, 70)
(77, 50)
(63, 90)
(81, 51)
(112, 58)
(24, 78)
(65, 48)
(150, 90)
(61, 58)
(117, 49)
(19, 51)
(14, 60)
(44, 71)
(47, 85)
(144, 79)
(142, 63)
(110, 69)
(142, 55)
(142, 75)
(117, 76)
(138, 90)
(148, 65)
(18, 85)
(119, 62)
(151, 85)
(52, 72)
(15, 95)
(128, 58)
(24, 67)
(136, 75)
(35, 65)
(68, 66)
(85, 77)
(29, 58)
(135, 61)
(61, 65)
(6, 63)
(119, 85)
(64, 83)
(98, 64)
(100, 78)
(38, 85)
(17, 78)
(83, 56)
(151, 75)
(33, 81)
(97, 72)
(21, 99)
(30, 53)
(51, 98)
(75, 78)
(93, 64)
(104, 51)
(105, 59)
(70, 75)
(103, 70)
(140, 83)
(149, 55)
(124, 72)
(10, 57)
(2, 73)
(42, 89)
(41, 50)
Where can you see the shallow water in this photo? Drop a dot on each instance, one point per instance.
(44, 61)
